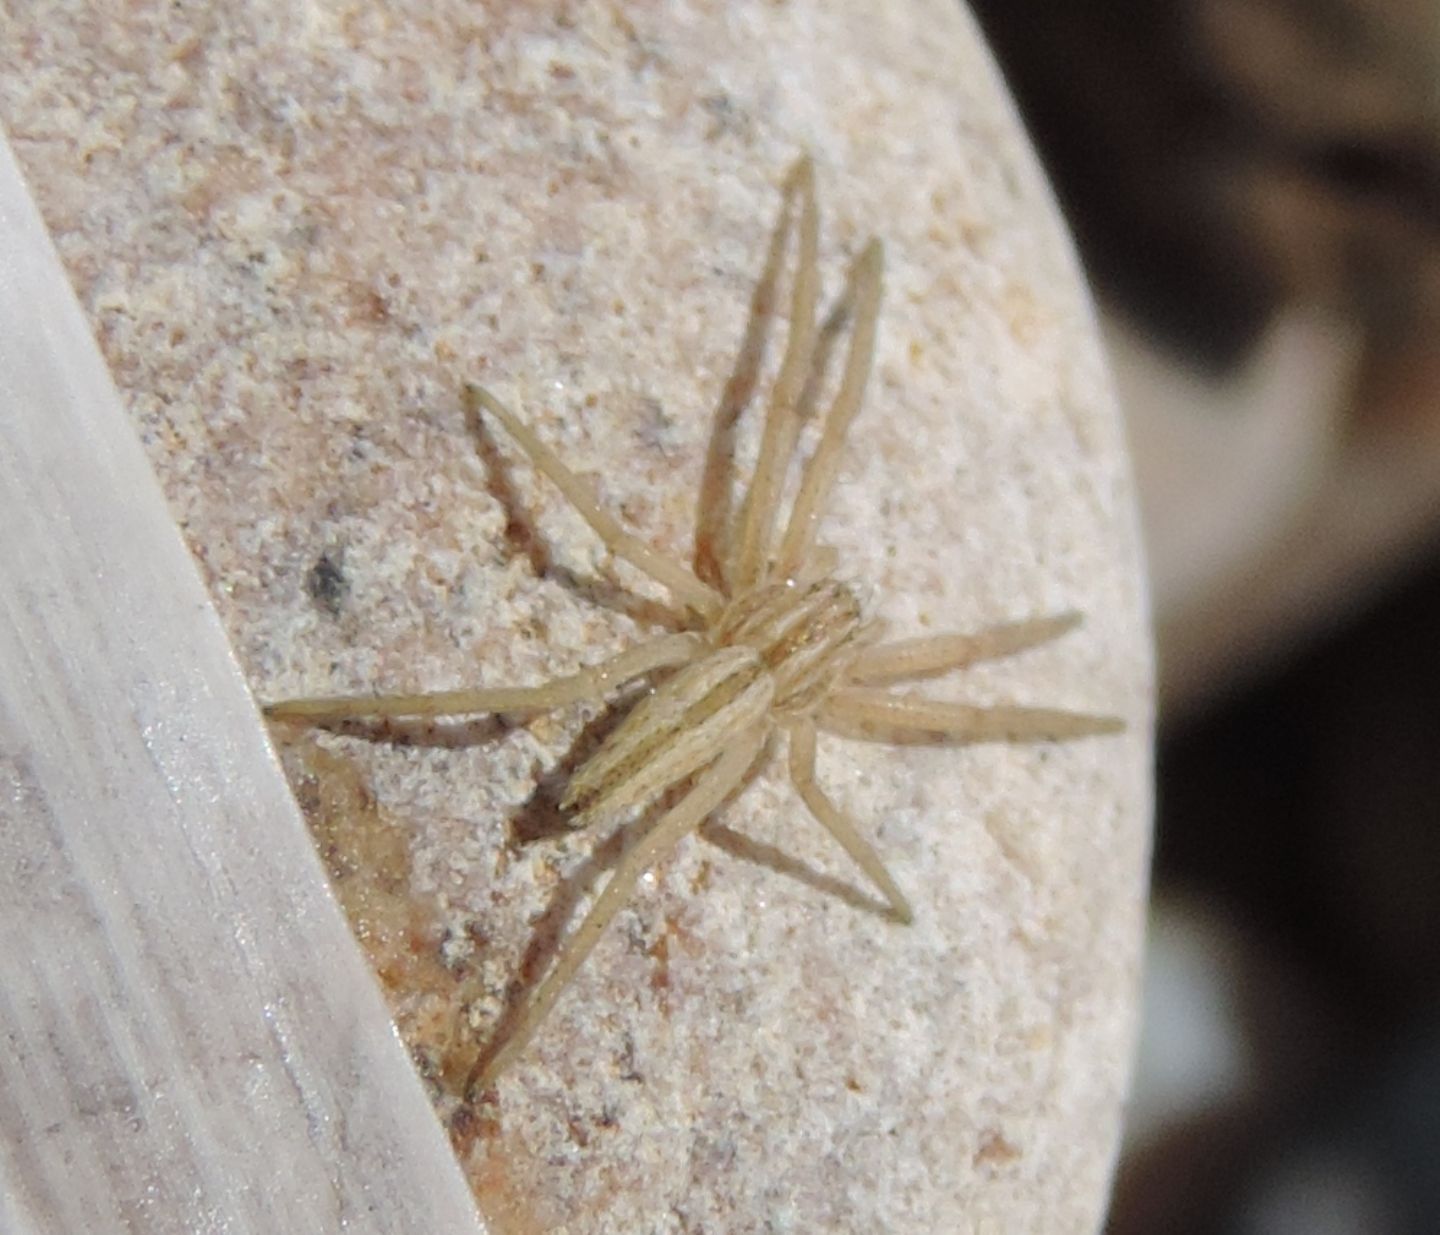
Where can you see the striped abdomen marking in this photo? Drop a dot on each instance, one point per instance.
(685, 724)
(805, 634)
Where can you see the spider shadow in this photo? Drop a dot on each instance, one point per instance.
(549, 931)
(775, 859)
(424, 733)
(541, 815)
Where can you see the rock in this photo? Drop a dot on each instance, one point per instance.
(298, 235)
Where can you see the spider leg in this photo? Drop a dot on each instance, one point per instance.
(712, 788)
(714, 531)
(838, 823)
(592, 683)
(821, 561)
(932, 655)
(877, 716)
(680, 582)
(863, 289)
(756, 521)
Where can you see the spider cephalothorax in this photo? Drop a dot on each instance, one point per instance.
(806, 635)
(769, 643)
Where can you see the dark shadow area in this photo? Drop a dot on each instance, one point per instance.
(1305, 815)
(773, 858)
(549, 933)
(1312, 805)
(541, 815)
(1218, 158)
(549, 929)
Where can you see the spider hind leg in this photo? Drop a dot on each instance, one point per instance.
(839, 824)
(710, 790)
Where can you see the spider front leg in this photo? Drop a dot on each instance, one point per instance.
(838, 823)
(590, 684)
(711, 789)
(862, 295)
(756, 517)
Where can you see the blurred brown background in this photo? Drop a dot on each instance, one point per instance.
(1255, 187)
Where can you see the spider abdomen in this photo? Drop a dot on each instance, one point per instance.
(679, 728)
(805, 633)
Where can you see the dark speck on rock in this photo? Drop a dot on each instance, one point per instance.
(327, 584)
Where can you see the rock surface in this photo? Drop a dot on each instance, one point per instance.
(298, 231)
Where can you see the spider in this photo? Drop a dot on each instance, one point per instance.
(769, 641)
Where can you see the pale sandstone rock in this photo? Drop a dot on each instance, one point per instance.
(298, 231)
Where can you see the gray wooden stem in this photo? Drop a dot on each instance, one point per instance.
(191, 1040)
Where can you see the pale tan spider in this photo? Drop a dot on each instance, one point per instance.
(769, 641)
